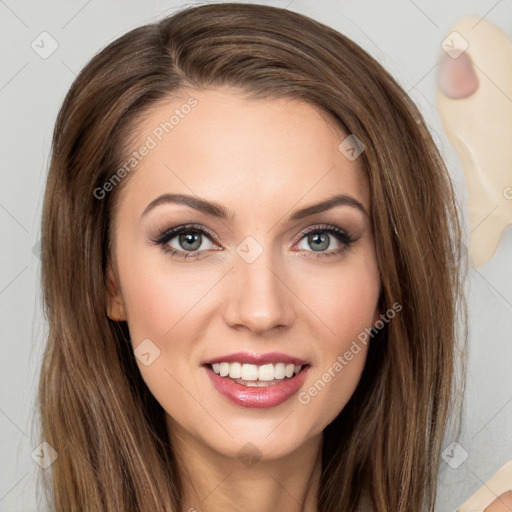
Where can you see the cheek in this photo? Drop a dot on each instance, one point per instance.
(351, 305)
(343, 298)
(346, 305)
(150, 308)
(164, 305)
(159, 295)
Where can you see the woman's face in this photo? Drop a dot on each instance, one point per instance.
(261, 276)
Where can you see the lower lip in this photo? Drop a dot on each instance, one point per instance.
(257, 397)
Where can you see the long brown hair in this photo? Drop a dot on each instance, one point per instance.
(97, 412)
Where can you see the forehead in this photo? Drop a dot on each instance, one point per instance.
(221, 145)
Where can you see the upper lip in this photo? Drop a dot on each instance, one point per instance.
(257, 359)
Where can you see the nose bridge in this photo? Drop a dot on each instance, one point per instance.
(258, 297)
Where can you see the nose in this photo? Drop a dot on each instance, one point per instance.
(258, 296)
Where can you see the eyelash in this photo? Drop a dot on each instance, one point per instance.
(171, 233)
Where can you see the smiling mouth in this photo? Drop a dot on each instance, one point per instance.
(252, 375)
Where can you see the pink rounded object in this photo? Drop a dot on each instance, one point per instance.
(457, 78)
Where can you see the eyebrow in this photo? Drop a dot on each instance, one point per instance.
(216, 210)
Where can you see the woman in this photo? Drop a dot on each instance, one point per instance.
(250, 273)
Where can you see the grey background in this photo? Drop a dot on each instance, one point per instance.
(404, 35)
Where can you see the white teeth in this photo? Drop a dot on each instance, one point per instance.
(235, 370)
(266, 372)
(252, 372)
(249, 372)
(279, 370)
(224, 369)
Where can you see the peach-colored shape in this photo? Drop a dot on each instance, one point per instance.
(495, 494)
(479, 126)
(502, 503)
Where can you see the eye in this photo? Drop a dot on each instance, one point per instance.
(189, 241)
(322, 238)
(184, 242)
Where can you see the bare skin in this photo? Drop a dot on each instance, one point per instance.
(261, 160)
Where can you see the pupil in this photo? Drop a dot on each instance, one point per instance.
(321, 240)
(190, 238)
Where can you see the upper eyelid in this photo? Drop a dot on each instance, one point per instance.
(176, 230)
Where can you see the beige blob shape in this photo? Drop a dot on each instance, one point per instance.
(479, 127)
(502, 503)
(495, 495)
